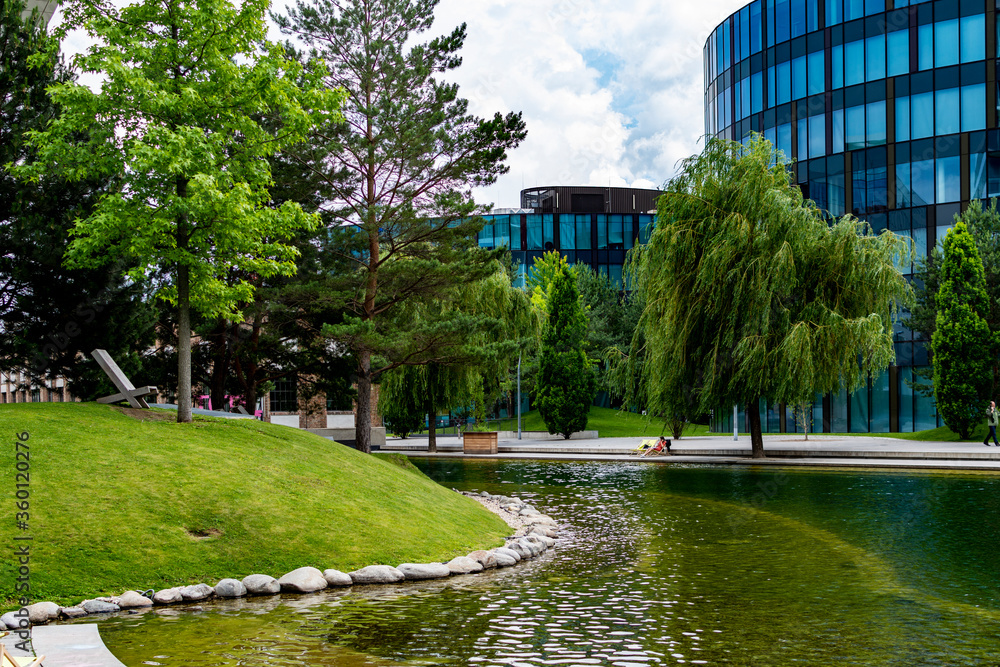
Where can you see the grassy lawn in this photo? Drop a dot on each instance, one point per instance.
(608, 422)
(117, 503)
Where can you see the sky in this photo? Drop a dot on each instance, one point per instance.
(611, 91)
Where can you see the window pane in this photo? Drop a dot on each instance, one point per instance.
(616, 233)
(902, 118)
(921, 115)
(817, 135)
(925, 46)
(756, 96)
(798, 17)
(755, 27)
(874, 7)
(785, 140)
(812, 14)
(905, 401)
(898, 46)
(974, 107)
(803, 135)
(973, 38)
(781, 21)
(837, 195)
(948, 118)
(783, 72)
(837, 57)
(602, 232)
(567, 233)
(854, 63)
(855, 128)
(486, 237)
(838, 132)
(838, 412)
(834, 12)
(853, 9)
(745, 99)
(534, 224)
(903, 199)
(817, 76)
(946, 43)
(876, 133)
(880, 403)
(922, 182)
(875, 63)
(859, 411)
(799, 78)
(949, 179)
(977, 176)
(583, 232)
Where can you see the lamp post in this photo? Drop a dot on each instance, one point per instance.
(519, 396)
(736, 423)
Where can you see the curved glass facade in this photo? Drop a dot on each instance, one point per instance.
(889, 111)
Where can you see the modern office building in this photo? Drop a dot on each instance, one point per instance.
(46, 8)
(589, 225)
(889, 109)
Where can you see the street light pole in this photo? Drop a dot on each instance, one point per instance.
(736, 423)
(518, 396)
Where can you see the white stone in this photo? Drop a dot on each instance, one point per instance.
(230, 588)
(303, 580)
(510, 553)
(337, 578)
(133, 600)
(503, 559)
(377, 574)
(420, 571)
(261, 584)
(485, 558)
(168, 596)
(464, 565)
(197, 592)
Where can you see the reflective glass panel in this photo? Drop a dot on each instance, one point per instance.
(946, 43)
(905, 400)
(903, 185)
(785, 140)
(947, 111)
(924, 412)
(880, 403)
(925, 46)
(583, 232)
(781, 21)
(875, 58)
(803, 136)
(834, 12)
(756, 96)
(817, 75)
(567, 232)
(837, 194)
(838, 131)
(974, 107)
(973, 38)
(859, 411)
(876, 132)
(798, 18)
(799, 89)
(898, 47)
(922, 182)
(854, 134)
(921, 115)
(949, 179)
(853, 9)
(602, 232)
(854, 63)
(755, 27)
(817, 135)
(977, 176)
(874, 7)
(902, 118)
(812, 15)
(838, 412)
(837, 65)
(783, 72)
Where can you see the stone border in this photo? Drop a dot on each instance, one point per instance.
(534, 533)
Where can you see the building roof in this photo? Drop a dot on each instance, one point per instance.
(45, 7)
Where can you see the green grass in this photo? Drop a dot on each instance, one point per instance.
(117, 503)
(608, 422)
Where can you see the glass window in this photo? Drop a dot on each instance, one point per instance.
(744, 33)
(812, 15)
(947, 116)
(817, 75)
(745, 99)
(803, 135)
(583, 232)
(834, 12)
(755, 27)
(615, 274)
(876, 132)
(534, 224)
(925, 46)
(567, 232)
(616, 233)
(898, 47)
(501, 230)
(838, 131)
(783, 72)
(949, 179)
(974, 107)
(602, 232)
(486, 237)
(977, 176)
(946, 43)
(875, 58)
(859, 411)
(905, 400)
(880, 403)
(772, 89)
(853, 9)
(515, 232)
(799, 79)
(903, 199)
(785, 140)
(838, 412)
(874, 7)
(548, 226)
(922, 182)
(837, 194)
(921, 115)
(973, 38)
(854, 135)
(854, 63)
(756, 96)
(837, 65)
(781, 21)
(924, 412)
(817, 135)
(798, 18)
(902, 118)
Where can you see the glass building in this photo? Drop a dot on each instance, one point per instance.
(588, 225)
(889, 110)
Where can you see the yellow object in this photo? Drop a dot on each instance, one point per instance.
(644, 446)
(8, 660)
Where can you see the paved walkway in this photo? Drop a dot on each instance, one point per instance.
(781, 449)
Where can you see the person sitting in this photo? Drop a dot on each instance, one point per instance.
(661, 445)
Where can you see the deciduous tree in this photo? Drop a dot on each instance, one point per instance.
(750, 293)
(177, 120)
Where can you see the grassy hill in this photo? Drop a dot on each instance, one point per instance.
(122, 503)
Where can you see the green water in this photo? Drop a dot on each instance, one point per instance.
(659, 564)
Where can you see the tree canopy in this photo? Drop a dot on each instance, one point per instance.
(750, 293)
(178, 121)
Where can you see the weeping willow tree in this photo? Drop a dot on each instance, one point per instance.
(479, 331)
(750, 293)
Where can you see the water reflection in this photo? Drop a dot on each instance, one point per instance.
(661, 564)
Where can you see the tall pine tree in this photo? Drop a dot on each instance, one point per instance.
(962, 342)
(566, 378)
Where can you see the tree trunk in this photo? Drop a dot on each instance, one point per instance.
(183, 345)
(432, 444)
(363, 418)
(756, 438)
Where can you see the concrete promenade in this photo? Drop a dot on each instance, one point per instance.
(825, 450)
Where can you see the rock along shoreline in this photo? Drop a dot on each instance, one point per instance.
(534, 533)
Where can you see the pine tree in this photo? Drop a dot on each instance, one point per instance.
(961, 344)
(566, 378)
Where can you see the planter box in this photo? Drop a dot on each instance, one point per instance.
(479, 443)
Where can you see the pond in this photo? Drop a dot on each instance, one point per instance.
(660, 564)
